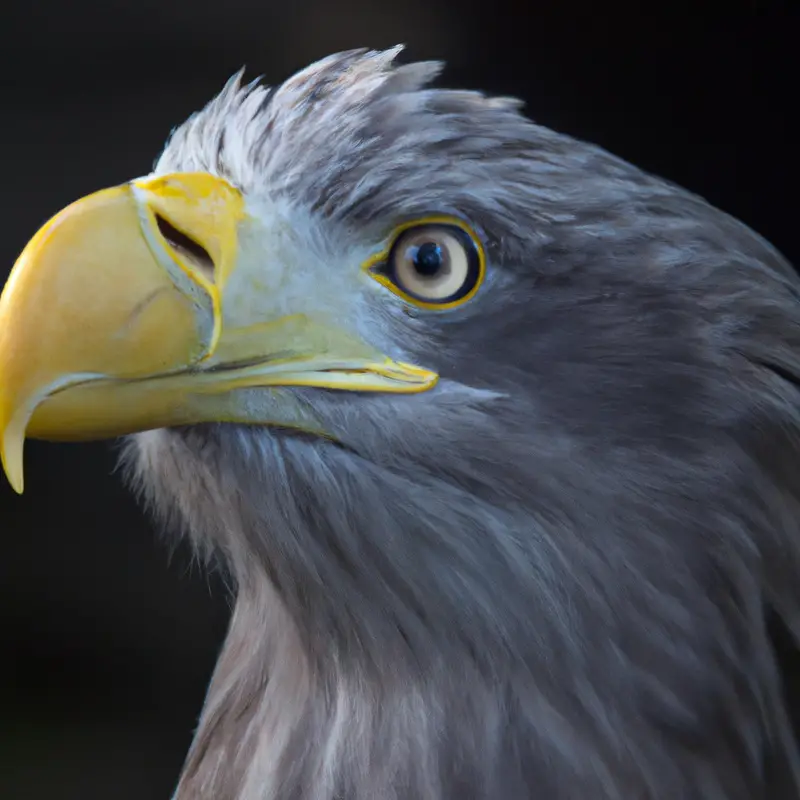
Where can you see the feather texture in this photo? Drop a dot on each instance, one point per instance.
(549, 577)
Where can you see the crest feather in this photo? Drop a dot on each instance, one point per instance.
(302, 137)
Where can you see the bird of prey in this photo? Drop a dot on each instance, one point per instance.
(497, 435)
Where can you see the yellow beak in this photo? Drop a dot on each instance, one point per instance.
(111, 323)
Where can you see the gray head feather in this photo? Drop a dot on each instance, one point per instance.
(547, 578)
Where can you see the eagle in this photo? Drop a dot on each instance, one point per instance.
(496, 436)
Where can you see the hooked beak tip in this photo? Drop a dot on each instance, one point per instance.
(11, 455)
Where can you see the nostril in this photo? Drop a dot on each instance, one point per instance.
(185, 245)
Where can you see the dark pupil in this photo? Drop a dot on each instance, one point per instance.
(428, 259)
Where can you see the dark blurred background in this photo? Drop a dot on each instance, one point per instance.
(108, 637)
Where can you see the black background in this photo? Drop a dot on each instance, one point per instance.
(106, 640)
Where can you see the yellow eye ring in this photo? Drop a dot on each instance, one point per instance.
(436, 263)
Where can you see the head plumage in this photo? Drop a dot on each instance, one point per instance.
(320, 128)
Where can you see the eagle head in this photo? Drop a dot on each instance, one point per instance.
(496, 434)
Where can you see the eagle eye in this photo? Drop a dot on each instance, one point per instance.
(436, 263)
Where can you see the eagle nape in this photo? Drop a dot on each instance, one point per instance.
(497, 435)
